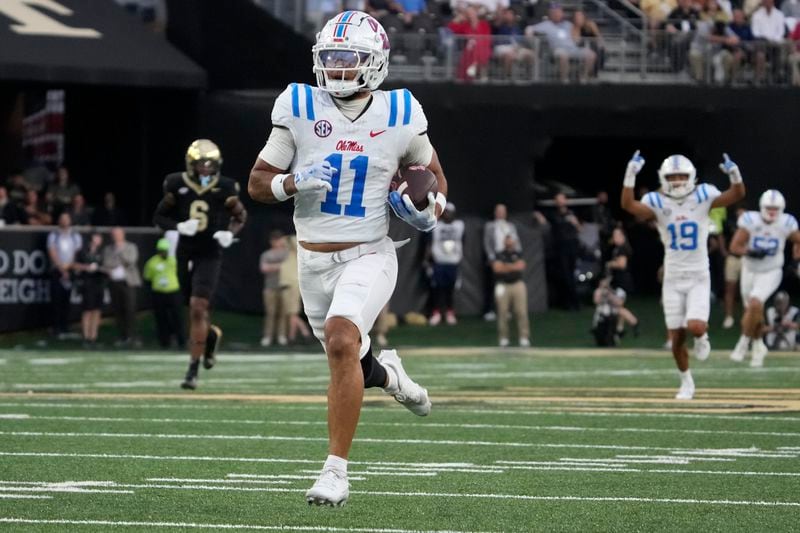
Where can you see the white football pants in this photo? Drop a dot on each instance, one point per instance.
(686, 296)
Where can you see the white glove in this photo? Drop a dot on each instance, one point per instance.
(188, 227)
(403, 207)
(731, 169)
(224, 238)
(315, 178)
(634, 167)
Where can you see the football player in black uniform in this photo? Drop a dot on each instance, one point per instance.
(204, 207)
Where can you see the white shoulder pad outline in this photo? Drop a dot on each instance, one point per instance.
(295, 102)
(405, 110)
(748, 220)
(653, 200)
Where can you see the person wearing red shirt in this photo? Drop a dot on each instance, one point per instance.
(477, 49)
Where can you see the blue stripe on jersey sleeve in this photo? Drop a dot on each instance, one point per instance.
(406, 107)
(309, 102)
(295, 101)
(697, 196)
(648, 198)
(748, 218)
(658, 200)
(791, 222)
(392, 109)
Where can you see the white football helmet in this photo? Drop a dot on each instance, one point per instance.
(351, 53)
(677, 164)
(771, 199)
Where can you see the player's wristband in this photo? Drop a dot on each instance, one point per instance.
(441, 200)
(277, 187)
(629, 180)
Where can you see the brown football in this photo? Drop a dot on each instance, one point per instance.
(416, 181)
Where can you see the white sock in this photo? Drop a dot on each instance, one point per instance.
(392, 386)
(686, 377)
(744, 338)
(704, 336)
(336, 463)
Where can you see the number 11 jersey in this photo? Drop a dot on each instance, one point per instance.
(365, 151)
(683, 225)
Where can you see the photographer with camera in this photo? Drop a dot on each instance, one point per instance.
(782, 323)
(610, 314)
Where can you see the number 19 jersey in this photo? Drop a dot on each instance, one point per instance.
(366, 152)
(683, 225)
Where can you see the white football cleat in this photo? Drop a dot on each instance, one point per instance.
(524, 342)
(758, 353)
(727, 323)
(332, 488)
(503, 342)
(686, 392)
(740, 350)
(702, 347)
(408, 393)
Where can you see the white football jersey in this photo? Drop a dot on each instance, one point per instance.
(366, 152)
(768, 237)
(446, 242)
(683, 225)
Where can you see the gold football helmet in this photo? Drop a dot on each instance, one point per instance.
(203, 160)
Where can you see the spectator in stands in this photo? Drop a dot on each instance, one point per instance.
(769, 26)
(63, 245)
(446, 252)
(601, 215)
(610, 314)
(17, 189)
(749, 7)
(62, 191)
(488, 9)
(161, 271)
(509, 44)
(477, 44)
(558, 33)
(276, 318)
(744, 51)
(36, 213)
(108, 214)
(93, 286)
(120, 260)
(564, 226)
(511, 293)
(380, 9)
(494, 237)
(710, 38)
(37, 176)
(782, 323)
(79, 212)
(586, 34)
(657, 11)
(680, 26)
(10, 213)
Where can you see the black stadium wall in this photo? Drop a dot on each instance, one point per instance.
(497, 143)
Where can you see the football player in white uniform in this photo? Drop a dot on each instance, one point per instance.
(681, 209)
(760, 239)
(334, 149)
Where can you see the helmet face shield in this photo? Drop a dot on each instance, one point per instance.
(342, 59)
(205, 167)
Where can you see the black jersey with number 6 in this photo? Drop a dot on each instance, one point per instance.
(206, 204)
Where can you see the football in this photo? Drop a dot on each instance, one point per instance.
(416, 181)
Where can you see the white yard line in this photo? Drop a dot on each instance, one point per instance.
(443, 442)
(196, 525)
(195, 421)
(4, 496)
(192, 480)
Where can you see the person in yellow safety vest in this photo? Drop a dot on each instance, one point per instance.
(161, 272)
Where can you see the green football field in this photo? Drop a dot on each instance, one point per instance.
(518, 440)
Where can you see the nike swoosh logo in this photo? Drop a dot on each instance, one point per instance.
(375, 133)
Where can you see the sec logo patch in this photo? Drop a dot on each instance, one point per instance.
(323, 128)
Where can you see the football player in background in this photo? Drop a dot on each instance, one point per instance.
(760, 238)
(681, 210)
(333, 149)
(204, 207)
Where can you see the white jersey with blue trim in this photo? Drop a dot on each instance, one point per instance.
(768, 237)
(366, 151)
(683, 225)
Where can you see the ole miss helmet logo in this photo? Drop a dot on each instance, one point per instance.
(323, 128)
